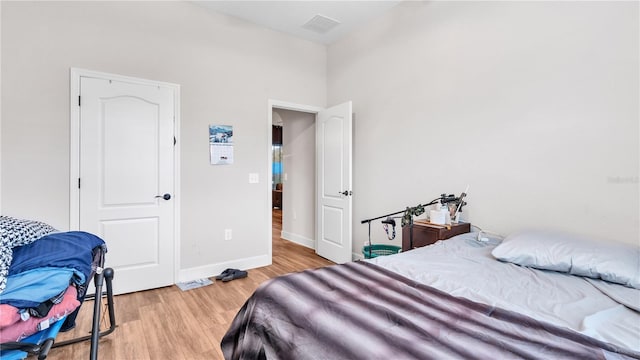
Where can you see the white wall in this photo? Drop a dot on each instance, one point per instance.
(533, 104)
(299, 161)
(227, 69)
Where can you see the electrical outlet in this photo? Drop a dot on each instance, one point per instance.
(254, 178)
(227, 234)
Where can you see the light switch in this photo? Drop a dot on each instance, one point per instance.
(254, 178)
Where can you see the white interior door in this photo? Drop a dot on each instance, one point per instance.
(126, 168)
(334, 128)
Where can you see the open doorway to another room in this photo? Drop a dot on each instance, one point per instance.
(276, 181)
(294, 174)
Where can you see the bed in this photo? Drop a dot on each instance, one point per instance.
(44, 278)
(456, 299)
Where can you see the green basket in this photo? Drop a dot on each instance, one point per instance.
(379, 250)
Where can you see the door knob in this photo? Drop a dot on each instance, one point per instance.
(165, 196)
(345, 193)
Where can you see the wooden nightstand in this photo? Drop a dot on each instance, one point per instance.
(426, 234)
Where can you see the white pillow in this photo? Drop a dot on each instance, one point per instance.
(610, 261)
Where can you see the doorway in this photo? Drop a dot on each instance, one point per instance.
(294, 173)
(276, 164)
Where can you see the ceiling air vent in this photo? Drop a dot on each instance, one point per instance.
(321, 24)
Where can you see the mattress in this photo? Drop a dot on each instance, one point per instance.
(359, 310)
(464, 267)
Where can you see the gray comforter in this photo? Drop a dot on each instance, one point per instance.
(362, 311)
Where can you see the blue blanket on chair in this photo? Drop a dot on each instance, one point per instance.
(61, 258)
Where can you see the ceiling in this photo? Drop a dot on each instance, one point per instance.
(290, 16)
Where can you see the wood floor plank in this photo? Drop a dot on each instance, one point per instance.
(168, 323)
(132, 342)
(157, 332)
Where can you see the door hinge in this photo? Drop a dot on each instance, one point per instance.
(78, 183)
(174, 141)
(78, 100)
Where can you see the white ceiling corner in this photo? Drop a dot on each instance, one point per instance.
(291, 16)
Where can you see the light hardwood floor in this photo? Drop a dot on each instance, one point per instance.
(168, 323)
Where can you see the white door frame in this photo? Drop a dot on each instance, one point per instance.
(277, 104)
(74, 142)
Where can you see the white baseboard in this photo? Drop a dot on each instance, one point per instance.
(310, 243)
(210, 270)
(298, 239)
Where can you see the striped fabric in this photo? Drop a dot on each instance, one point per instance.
(362, 311)
(17, 232)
